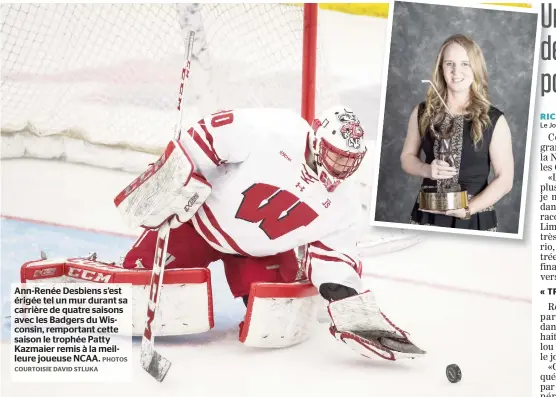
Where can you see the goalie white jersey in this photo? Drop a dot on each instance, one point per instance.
(265, 198)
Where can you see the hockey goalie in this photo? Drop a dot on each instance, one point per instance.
(271, 197)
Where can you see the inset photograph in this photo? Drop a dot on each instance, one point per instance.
(456, 118)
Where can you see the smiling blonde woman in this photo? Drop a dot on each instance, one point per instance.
(484, 142)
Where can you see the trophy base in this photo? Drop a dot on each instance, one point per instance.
(432, 200)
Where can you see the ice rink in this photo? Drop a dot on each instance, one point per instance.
(463, 299)
(466, 306)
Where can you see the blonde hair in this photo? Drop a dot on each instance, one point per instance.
(479, 103)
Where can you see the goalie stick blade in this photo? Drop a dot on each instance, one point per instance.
(156, 365)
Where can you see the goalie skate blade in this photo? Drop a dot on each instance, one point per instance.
(157, 367)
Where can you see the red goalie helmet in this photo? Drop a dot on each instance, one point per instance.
(337, 145)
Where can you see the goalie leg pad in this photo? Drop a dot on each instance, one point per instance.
(185, 300)
(360, 324)
(279, 314)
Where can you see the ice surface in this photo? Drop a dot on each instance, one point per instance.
(471, 307)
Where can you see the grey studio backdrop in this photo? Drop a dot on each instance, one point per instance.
(507, 40)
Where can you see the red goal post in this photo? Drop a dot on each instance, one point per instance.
(310, 31)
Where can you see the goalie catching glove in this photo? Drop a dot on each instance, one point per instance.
(167, 190)
(359, 323)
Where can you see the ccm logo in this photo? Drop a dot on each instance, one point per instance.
(88, 275)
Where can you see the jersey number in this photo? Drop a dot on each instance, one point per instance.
(279, 211)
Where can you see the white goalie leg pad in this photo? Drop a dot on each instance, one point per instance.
(279, 314)
(168, 188)
(186, 305)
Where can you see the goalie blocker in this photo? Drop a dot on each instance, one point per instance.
(169, 190)
(278, 314)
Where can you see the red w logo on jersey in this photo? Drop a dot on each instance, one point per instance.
(278, 212)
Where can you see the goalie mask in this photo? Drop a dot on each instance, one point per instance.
(337, 145)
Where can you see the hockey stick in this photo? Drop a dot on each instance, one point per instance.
(152, 361)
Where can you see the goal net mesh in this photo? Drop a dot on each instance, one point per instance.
(78, 79)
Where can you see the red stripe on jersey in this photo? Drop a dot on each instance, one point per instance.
(209, 139)
(205, 231)
(320, 245)
(226, 236)
(358, 265)
(327, 258)
(350, 258)
(199, 141)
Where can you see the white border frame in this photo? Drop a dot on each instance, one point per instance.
(376, 169)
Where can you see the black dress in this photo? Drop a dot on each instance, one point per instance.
(473, 176)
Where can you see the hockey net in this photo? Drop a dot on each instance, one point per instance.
(85, 77)
(97, 83)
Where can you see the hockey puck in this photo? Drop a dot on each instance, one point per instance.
(453, 373)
